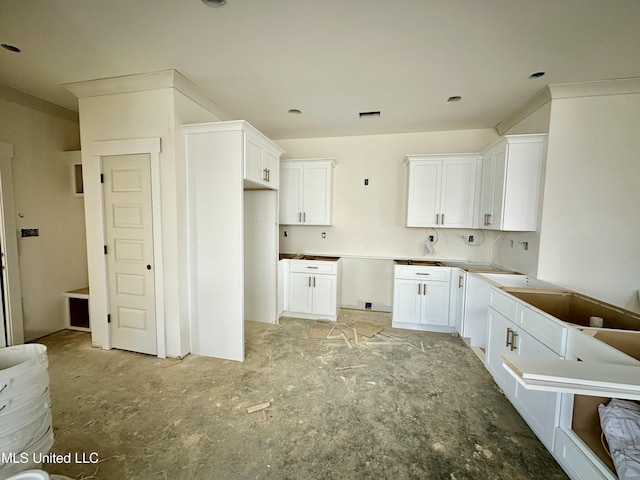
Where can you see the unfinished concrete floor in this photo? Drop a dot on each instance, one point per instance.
(435, 414)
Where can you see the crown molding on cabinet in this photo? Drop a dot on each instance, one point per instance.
(144, 82)
(21, 98)
(620, 86)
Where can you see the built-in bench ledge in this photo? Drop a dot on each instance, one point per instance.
(77, 309)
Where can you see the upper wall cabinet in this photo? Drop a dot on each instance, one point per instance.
(511, 174)
(442, 190)
(261, 160)
(306, 191)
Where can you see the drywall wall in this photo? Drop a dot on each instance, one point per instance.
(136, 115)
(186, 111)
(368, 221)
(509, 249)
(590, 220)
(55, 261)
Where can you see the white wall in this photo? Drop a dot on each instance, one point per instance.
(369, 220)
(55, 261)
(145, 114)
(590, 225)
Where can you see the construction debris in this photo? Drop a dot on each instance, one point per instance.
(257, 408)
(351, 367)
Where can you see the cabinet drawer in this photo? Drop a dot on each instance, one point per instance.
(423, 273)
(575, 461)
(503, 303)
(544, 329)
(313, 266)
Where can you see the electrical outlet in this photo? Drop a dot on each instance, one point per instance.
(29, 232)
(366, 181)
(324, 234)
(367, 305)
(285, 233)
(471, 239)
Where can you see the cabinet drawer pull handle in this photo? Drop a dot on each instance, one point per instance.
(509, 332)
(300, 217)
(460, 282)
(513, 341)
(437, 218)
(314, 282)
(442, 219)
(419, 293)
(489, 218)
(264, 174)
(421, 273)
(424, 288)
(304, 217)
(268, 175)
(313, 268)
(309, 281)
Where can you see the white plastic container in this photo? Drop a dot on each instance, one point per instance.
(23, 375)
(25, 410)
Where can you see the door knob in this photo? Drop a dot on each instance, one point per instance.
(148, 267)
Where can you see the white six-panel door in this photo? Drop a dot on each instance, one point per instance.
(129, 242)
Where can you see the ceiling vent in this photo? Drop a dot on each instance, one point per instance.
(369, 114)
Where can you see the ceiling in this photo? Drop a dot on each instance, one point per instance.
(331, 59)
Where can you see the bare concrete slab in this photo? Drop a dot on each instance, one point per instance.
(431, 412)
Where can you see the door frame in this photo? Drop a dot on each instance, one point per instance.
(153, 148)
(9, 244)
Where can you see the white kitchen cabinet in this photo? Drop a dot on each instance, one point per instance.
(313, 289)
(442, 190)
(421, 298)
(511, 183)
(306, 192)
(232, 239)
(460, 288)
(261, 162)
(538, 409)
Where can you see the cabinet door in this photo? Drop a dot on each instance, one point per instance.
(497, 194)
(536, 407)
(460, 286)
(271, 163)
(407, 300)
(458, 193)
(497, 336)
(324, 294)
(290, 194)
(435, 303)
(316, 195)
(253, 169)
(300, 292)
(424, 194)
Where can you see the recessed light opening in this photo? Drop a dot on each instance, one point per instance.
(11, 48)
(215, 3)
(455, 98)
(294, 111)
(536, 75)
(369, 114)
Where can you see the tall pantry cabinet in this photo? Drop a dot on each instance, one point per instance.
(232, 234)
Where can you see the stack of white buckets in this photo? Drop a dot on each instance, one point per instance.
(26, 433)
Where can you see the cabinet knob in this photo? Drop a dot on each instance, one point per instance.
(148, 267)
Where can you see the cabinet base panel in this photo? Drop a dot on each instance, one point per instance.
(423, 327)
(310, 316)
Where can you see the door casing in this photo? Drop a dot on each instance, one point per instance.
(99, 308)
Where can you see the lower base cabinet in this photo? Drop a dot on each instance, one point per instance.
(421, 298)
(313, 289)
(538, 409)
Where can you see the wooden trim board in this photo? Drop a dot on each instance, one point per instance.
(585, 378)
